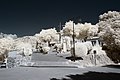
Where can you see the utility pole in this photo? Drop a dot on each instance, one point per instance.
(73, 42)
(60, 33)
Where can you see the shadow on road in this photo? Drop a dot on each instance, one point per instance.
(113, 66)
(92, 76)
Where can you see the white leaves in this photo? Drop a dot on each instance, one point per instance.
(80, 30)
(109, 27)
(5, 44)
(110, 15)
(48, 35)
(68, 29)
(93, 30)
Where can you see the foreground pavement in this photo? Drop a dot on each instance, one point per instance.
(50, 73)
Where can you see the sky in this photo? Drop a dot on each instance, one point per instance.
(27, 17)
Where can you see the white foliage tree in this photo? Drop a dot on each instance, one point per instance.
(27, 39)
(68, 29)
(13, 36)
(6, 44)
(81, 30)
(109, 31)
(48, 35)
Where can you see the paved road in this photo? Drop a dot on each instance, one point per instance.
(48, 66)
(35, 73)
(51, 59)
(47, 57)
